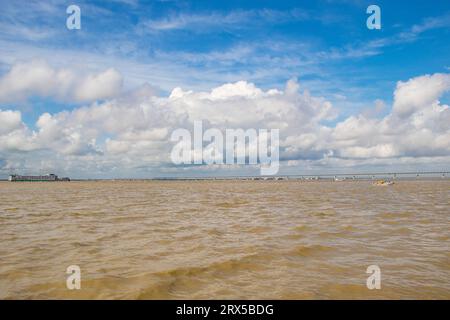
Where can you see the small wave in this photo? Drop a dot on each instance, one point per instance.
(170, 283)
(348, 228)
(258, 229)
(309, 250)
(403, 214)
(402, 231)
(301, 227)
(324, 213)
(232, 204)
(248, 262)
(215, 232)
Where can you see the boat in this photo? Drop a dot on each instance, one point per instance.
(383, 183)
(45, 178)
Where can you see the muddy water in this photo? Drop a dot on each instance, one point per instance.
(225, 239)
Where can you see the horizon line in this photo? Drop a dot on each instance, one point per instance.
(294, 176)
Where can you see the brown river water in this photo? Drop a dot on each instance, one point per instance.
(225, 239)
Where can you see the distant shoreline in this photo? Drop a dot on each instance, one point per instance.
(337, 177)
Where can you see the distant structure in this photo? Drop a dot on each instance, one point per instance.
(46, 178)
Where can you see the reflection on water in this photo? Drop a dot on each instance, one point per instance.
(225, 239)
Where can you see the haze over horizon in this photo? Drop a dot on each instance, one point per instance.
(102, 101)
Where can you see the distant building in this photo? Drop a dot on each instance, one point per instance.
(49, 177)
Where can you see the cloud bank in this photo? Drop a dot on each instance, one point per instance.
(38, 78)
(130, 131)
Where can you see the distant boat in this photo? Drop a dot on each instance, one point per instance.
(383, 183)
(45, 178)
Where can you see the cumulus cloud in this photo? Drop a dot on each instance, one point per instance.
(418, 93)
(9, 121)
(132, 131)
(38, 78)
(417, 126)
(14, 135)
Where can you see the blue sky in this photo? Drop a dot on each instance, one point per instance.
(324, 43)
(200, 45)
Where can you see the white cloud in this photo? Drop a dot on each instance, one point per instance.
(38, 78)
(99, 86)
(131, 132)
(204, 22)
(9, 121)
(418, 124)
(377, 151)
(419, 92)
(431, 23)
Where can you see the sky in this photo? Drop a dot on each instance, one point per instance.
(102, 101)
